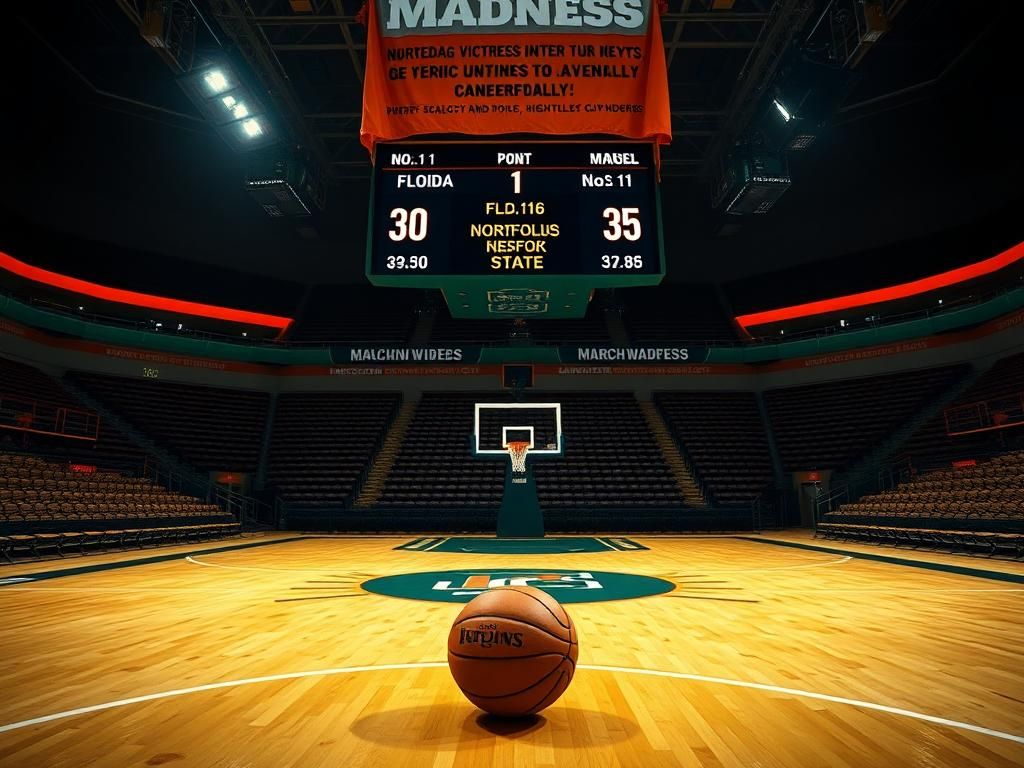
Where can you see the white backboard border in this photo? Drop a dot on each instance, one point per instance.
(478, 407)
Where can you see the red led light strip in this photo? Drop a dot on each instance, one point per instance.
(891, 293)
(135, 299)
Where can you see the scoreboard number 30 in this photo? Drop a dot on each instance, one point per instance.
(408, 224)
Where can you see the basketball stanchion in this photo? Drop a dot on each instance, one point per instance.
(519, 433)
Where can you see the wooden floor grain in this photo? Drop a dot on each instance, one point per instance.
(933, 643)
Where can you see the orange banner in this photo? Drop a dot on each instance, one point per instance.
(489, 67)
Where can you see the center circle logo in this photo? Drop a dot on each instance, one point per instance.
(461, 586)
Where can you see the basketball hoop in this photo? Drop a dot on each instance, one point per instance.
(517, 450)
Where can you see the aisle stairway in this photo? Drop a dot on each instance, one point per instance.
(866, 470)
(372, 489)
(681, 472)
(172, 461)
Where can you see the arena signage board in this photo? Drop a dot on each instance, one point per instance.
(489, 67)
(634, 355)
(406, 355)
(461, 586)
(458, 356)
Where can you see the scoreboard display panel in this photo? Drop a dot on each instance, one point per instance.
(502, 209)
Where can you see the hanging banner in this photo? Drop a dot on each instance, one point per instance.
(487, 67)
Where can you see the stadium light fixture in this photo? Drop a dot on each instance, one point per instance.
(216, 81)
(230, 106)
(782, 110)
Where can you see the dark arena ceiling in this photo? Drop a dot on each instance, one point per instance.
(104, 146)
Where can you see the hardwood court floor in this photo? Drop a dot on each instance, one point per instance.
(764, 643)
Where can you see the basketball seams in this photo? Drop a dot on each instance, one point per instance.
(517, 620)
(507, 658)
(531, 686)
(540, 704)
(546, 608)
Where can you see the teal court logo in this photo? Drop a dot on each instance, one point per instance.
(461, 586)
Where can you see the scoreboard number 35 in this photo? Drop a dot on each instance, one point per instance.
(622, 222)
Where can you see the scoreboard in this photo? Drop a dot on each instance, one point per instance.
(506, 209)
(515, 228)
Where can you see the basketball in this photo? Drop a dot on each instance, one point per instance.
(512, 651)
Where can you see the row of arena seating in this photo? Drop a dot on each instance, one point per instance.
(69, 510)
(931, 445)
(827, 426)
(723, 439)
(596, 519)
(990, 543)
(209, 428)
(39, 544)
(993, 490)
(974, 508)
(30, 385)
(46, 508)
(611, 458)
(322, 444)
(434, 467)
(32, 489)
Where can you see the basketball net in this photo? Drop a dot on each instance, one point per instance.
(517, 450)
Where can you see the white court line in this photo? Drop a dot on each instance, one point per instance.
(136, 590)
(16, 580)
(841, 560)
(900, 590)
(595, 667)
(420, 544)
(196, 561)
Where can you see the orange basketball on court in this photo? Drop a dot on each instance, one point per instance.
(512, 650)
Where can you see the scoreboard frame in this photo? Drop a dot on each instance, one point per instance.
(550, 294)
